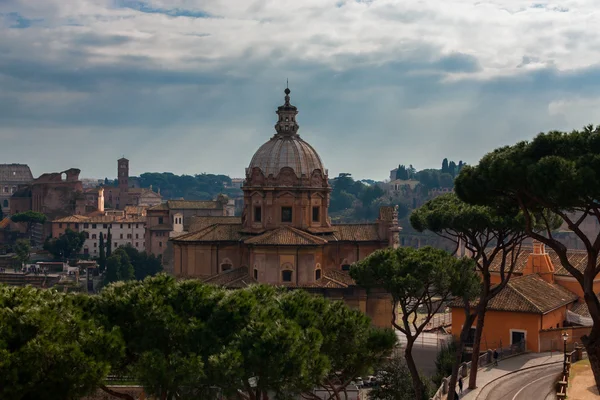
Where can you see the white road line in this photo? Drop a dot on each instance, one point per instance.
(529, 384)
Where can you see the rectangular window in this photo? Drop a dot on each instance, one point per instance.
(121, 226)
(159, 244)
(160, 220)
(76, 226)
(85, 226)
(137, 226)
(137, 244)
(286, 214)
(115, 246)
(121, 236)
(104, 226)
(129, 236)
(128, 226)
(315, 215)
(137, 236)
(257, 214)
(93, 226)
(60, 225)
(95, 244)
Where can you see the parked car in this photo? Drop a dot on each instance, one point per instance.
(370, 381)
(359, 382)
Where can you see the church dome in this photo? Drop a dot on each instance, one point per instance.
(286, 148)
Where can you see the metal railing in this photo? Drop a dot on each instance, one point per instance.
(483, 360)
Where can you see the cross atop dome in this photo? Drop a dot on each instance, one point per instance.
(286, 125)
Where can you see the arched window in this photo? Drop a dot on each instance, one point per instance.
(286, 275)
(226, 265)
(255, 274)
(317, 274)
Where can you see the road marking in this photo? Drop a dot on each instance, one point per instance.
(529, 384)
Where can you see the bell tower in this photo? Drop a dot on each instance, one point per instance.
(123, 177)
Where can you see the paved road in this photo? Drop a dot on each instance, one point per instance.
(533, 384)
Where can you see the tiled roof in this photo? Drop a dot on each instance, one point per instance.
(214, 233)
(577, 258)
(161, 206)
(240, 277)
(528, 294)
(135, 210)
(235, 278)
(4, 223)
(354, 233)
(580, 308)
(519, 265)
(72, 219)
(100, 219)
(286, 236)
(199, 223)
(192, 204)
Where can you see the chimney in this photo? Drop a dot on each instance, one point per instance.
(101, 200)
(539, 262)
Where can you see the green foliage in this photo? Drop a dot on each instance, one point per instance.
(65, 246)
(417, 279)
(402, 173)
(187, 337)
(108, 242)
(144, 264)
(22, 250)
(29, 217)
(102, 254)
(444, 361)
(197, 187)
(395, 383)
(118, 267)
(48, 350)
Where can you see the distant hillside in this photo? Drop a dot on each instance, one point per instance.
(196, 187)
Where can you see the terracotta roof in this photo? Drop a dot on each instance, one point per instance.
(577, 258)
(354, 233)
(580, 308)
(192, 204)
(240, 277)
(100, 219)
(5, 222)
(199, 223)
(528, 294)
(214, 233)
(162, 206)
(72, 219)
(135, 210)
(235, 278)
(286, 235)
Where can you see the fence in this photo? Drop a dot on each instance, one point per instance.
(439, 320)
(551, 339)
(483, 360)
(573, 356)
(427, 339)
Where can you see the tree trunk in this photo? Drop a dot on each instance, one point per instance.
(477, 345)
(464, 334)
(412, 367)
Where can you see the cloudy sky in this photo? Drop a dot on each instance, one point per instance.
(191, 86)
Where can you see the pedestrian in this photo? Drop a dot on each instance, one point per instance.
(495, 358)
(460, 385)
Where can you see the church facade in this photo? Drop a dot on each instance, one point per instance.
(285, 236)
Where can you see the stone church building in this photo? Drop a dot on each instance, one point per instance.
(285, 236)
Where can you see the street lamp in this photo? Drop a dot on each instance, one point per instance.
(565, 336)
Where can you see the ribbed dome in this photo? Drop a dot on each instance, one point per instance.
(286, 151)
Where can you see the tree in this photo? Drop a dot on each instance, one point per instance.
(446, 180)
(22, 250)
(444, 361)
(490, 238)
(66, 246)
(351, 344)
(118, 267)
(102, 254)
(452, 168)
(1, 214)
(445, 167)
(144, 264)
(402, 173)
(29, 218)
(108, 242)
(557, 172)
(48, 349)
(394, 382)
(417, 279)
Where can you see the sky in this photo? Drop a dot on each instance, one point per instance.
(190, 86)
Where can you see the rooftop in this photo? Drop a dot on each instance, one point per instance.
(528, 294)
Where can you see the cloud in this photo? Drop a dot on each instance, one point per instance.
(191, 86)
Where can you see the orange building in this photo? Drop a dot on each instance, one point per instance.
(540, 297)
(285, 236)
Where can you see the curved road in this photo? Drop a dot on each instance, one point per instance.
(533, 384)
